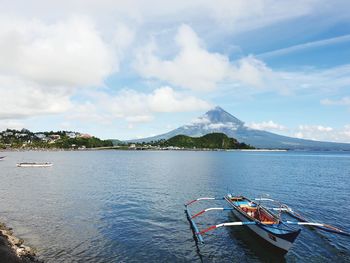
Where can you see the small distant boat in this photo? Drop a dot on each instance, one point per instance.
(262, 220)
(34, 164)
(2, 157)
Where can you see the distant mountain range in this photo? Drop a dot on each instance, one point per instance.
(218, 120)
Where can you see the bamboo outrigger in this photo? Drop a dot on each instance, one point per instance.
(262, 220)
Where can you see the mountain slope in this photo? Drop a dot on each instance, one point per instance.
(220, 121)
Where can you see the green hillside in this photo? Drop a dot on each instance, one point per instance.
(10, 139)
(210, 141)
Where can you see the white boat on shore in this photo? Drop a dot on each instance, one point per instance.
(34, 164)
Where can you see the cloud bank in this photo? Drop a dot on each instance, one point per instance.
(136, 106)
(193, 67)
(305, 131)
(323, 133)
(132, 61)
(42, 65)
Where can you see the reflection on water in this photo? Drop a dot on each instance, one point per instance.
(113, 206)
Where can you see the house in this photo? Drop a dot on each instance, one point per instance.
(7, 133)
(40, 136)
(71, 135)
(85, 136)
(132, 146)
(55, 137)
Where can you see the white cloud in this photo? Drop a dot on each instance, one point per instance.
(44, 64)
(247, 15)
(305, 131)
(123, 37)
(220, 125)
(312, 128)
(253, 76)
(139, 118)
(345, 134)
(65, 53)
(252, 72)
(196, 68)
(268, 126)
(193, 67)
(20, 99)
(323, 133)
(342, 101)
(204, 123)
(165, 99)
(46, 61)
(227, 15)
(134, 106)
(89, 112)
(308, 45)
(330, 79)
(10, 124)
(200, 120)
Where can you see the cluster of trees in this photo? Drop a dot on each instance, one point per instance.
(79, 142)
(60, 139)
(208, 141)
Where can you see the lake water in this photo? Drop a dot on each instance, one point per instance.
(127, 206)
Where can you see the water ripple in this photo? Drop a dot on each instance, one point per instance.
(115, 206)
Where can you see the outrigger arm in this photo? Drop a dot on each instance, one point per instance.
(303, 221)
(210, 209)
(190, 217)
(204, 198)
(199, 233)
(227, 224)
(321, 226)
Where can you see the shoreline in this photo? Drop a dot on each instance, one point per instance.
(140, 149)
(116, 148)
(258, 150)
(12, 249)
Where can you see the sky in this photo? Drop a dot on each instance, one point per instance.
(133, 69)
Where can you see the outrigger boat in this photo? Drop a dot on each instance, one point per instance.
(34, 164)
(262, 220)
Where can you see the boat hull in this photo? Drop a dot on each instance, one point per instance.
(272, 239)
(282, 241)
(34, 165)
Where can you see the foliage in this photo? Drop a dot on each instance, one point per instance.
(209, 141)
(27, 139)
(92, 142)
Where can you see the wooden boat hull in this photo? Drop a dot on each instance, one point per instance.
(279, 242)
(34, 164)
(279, 238)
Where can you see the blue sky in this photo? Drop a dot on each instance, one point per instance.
(124, 70)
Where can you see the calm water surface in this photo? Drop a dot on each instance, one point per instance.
(127, 206)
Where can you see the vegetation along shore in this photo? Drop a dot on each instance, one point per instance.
(68, 140)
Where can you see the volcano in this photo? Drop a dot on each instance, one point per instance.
(219, 120)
